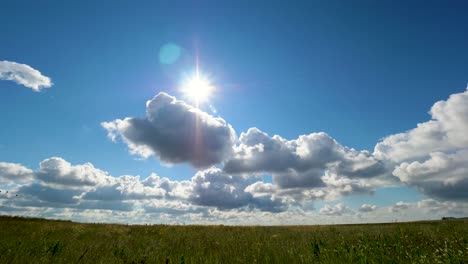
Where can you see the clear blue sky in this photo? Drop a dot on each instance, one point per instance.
(357, 70)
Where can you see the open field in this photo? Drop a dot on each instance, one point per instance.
(24, 240)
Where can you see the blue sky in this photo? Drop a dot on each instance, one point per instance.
(357, 71)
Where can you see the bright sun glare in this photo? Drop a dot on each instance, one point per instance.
(197, 88)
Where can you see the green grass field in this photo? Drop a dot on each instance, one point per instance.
(24, 240)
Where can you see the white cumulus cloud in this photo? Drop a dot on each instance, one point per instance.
(366, 208)
(175, 132)
(309, 163)
(338, 209)
(13, 172)
(25, 75)
(434, 155)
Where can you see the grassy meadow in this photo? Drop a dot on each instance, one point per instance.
(27, 240)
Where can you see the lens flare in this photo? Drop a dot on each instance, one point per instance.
(197, 88)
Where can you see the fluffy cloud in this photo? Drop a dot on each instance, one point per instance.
(24, 74)
(57, 171)
(366, 208)
(338, 209)
(213, 187)
(260, 188)
(399, 206)
(59, 184)
(313, 161)
(339, 186)
(38, 194)
(433, 156)
(442, 175)
(258, 152)
(444, 208)
(301, 168)
(132, 188)
(445, 132)
(428, 209)
(175, 132)
(13, 172)
(211, 196)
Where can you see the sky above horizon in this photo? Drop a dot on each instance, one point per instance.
(321, 111)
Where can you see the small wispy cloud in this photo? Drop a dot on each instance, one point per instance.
(25, 75)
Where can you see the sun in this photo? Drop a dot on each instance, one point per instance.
(197, 88)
